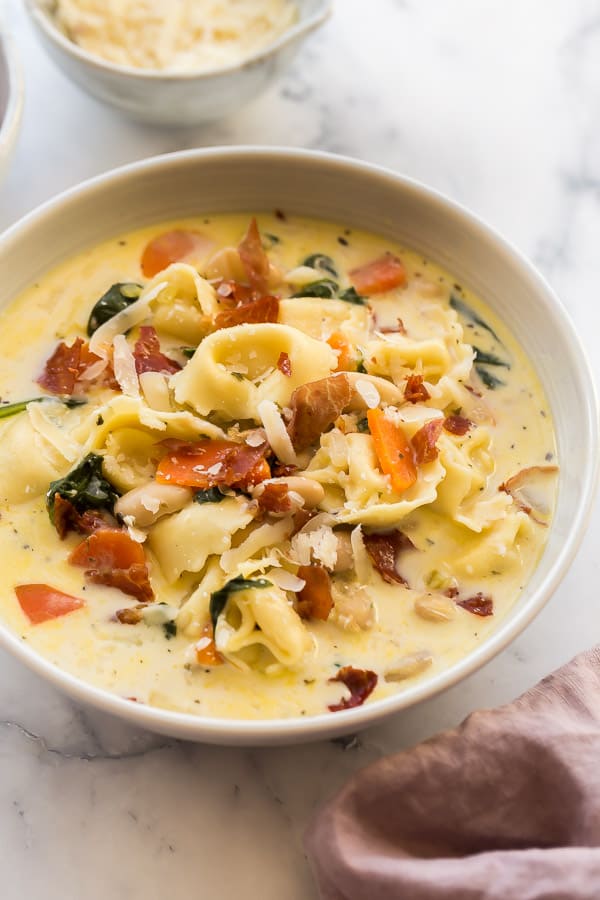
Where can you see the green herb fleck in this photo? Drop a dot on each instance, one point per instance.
(117, 298)
(270, 240)
(363, 425)
(489, 359)
(361, 368)
(238, 375)
(321, 261)
(211, 495)
(85, 487)
(350, 296)
(218, 599)
(188, 351)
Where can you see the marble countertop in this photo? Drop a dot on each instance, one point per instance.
(497, 105)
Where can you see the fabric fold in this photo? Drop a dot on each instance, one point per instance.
(505, 807)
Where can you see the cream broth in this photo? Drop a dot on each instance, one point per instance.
(471, 541)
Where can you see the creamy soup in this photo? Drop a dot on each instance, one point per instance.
(270, 469)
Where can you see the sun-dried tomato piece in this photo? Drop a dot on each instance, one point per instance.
(314, 600)
(148, 356)
(480, 605)
(360, 683)
(380, 275)
(425, 441)
(68, 518)
(262, 309)
(383, 550)
(415, 391)
(284, 364)
(315, 407)
(110, 556)
(254, 259)
(457, 425)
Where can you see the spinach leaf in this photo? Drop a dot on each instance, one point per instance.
(118, 297)
(461, 307)
(170, 629)
(85, 487)
(270, 239)
(488, 379)
(325, 288)
(11, 409)
(188, 351)
(489, 359)
(350, 296)
(218, 599)
(211, 495)
(321, 261)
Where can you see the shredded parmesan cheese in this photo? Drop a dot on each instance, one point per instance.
(277, 435)
(124, 366)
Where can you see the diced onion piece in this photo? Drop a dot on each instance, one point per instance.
(277, 435)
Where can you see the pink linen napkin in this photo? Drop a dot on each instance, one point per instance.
(505, 807)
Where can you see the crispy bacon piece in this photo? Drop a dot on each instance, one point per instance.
(206, 463)
(380, 275)
(254, 259)
(275, 498)
(68, 518)
(110, 556)
(148, 356)
(236, 293)
(314, 601)
(425, 441)
(262, 309)
(383, 550)
(315, 406)
(360, 683)
(457, 425)
(281, 471)
(284, 364)
(479, 605)
(415, 391)
(66, 369)
(170, 247)
(131, 615)
(206, 649)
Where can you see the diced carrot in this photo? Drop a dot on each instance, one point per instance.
(314, 600)
(206, 650)
(347, 359)
(113, 558)
(393, 450)
(206, 463)
(380, 275)
(170, 247)
(41, 602)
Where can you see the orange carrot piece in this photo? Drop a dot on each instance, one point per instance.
(206, 651)
(170, 247)
(347, 360)
(380, 275)
(393, 450)
(41, 602)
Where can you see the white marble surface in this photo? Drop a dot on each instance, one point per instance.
(498, 105)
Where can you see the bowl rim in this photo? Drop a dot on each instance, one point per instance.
(285, 730)
(10, 122)
(43, 19)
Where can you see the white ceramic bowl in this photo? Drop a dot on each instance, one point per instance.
(358, 195)
(11, 101)
(178, 99)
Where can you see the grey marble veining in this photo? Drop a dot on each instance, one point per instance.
(497, 104)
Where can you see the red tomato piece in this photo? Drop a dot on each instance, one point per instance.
(169, 247)
(41, 602)
(381, 275)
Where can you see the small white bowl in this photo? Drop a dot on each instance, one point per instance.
(177, 99)
(11, 101)
(362, 196)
